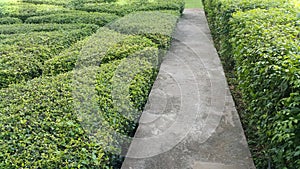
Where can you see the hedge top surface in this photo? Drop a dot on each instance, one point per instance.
(97, 18)
(146, 22)
(26, 28)
(25, 10)
(39, 127)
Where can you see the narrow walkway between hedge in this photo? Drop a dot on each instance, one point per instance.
(190, 121)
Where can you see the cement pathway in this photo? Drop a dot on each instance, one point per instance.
(190, 121)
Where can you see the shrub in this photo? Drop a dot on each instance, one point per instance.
(40, 128)
(177, 5)
(123, 87)
(100, 19)
(113, 8)
(266, 51)
(49, 2)
(9, 20)
(219, 13)
(25, 10)
(104, 46)
(26, 28)
(52, 122)
(22, 55)
(126, 48)
(124, 9)
(89, 51)
(154, 25)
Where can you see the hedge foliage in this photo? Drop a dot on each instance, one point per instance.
(23, 55)
(42, 126)
(100, 19)
(49, 2)
(263, 43)
(39, 128)
(102, 47)
(9, 20)
(25, 10)
(219, 13)
(26, 28)
(67, 3)
(124, 9)
(123, 86)
(70, 96)
(155, 25)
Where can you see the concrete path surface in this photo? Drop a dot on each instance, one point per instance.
(190, 121)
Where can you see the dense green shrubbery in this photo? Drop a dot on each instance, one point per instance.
(26, 28)
(177, 5)
(42, 126)
(78, 115)
(123, 87)
(49, 2)
(104, 46)
(25, 10)
(155, 25)
(66, 3)
(113, 8)
(22, 55)
(219, 13)
(267, 54)
(40, 129)
(123, 9)
(264, 45)
(10, 20)
(100, 19)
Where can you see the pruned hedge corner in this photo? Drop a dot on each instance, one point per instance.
(72, 85)
(260, 42)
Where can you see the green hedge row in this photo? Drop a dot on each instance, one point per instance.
(49, 2)
(53, 122)
(66, 3)
(26, 28)
(124, 9)
(81, 114)
(40, 130)
(123, 87)
(263, 46)
(102, 47)
(155, 25)
(267, 54)
(9, 20)
(219, 13)
(100, 19)
(25, 10)
(23, 55)
(106, 44)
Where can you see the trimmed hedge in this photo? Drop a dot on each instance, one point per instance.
(9, 20)
(104, 46)
(82, 115)
(40, 129)
(66, 3)
(22, 55)
(25, 10)
(123, 87)
(155, 25)
(43, 127)
(26, 28)
(219, 13)
(266, 51)
(112, 8)
(264, 46)
(89, 51)
(100, 19)
(49, 2)
(124, 9)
